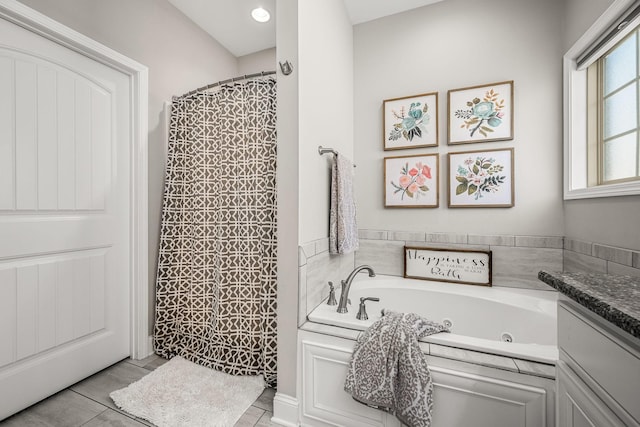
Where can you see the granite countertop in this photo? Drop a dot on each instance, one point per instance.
(614, 298)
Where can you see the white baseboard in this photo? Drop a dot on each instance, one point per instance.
(150, 347)
(285, 410)
(145, 350)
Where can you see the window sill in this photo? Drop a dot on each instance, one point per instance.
(611, 190)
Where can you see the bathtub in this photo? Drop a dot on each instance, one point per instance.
(519, 323)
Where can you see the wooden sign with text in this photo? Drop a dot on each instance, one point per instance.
(448, 265)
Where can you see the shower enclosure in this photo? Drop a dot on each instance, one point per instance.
(216, 282)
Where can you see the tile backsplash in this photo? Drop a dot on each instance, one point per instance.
(581, 256)
(316, 267)
(516, 259)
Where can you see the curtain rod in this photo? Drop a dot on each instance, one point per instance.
(609, 34)
(222, 82)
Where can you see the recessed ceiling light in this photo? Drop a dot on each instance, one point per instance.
(260, 14)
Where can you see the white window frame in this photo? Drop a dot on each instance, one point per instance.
(575, 114)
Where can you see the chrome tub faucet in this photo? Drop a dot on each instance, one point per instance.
(346, 285)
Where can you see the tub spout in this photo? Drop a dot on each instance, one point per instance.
(346, 285)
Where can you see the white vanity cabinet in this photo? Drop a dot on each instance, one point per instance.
(465, 394)
(598, 378)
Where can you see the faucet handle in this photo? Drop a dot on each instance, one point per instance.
(362, 310)
(332, 295)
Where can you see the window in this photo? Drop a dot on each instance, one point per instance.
(614, 140)
(602, 106)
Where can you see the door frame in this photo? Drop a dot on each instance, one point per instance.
(138, 74)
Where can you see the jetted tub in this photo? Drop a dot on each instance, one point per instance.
(513, 322)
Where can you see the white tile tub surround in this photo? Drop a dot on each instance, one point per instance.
(522, 366)
(516, 259)
(302, 257)
(407, 235)
(475, 357)
(610, 253)
(372, 234)
(447, 246)
(578, 246)
(622, 270)
(322, 245)
(592, 257)
(447, 238)
(575, 262)
(534, 368)
(519, 267)
(496, 240)
(302, 294)
(385, 256)
(316, 269)
(554, 242)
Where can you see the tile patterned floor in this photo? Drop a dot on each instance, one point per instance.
(87, 403)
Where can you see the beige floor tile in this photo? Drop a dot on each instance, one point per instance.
(158, 361)
(99, 386)
(265, 420)
(87, 403)
(111, 418)
(143, 362)
(265, 400)
(64, 409)
(250, 417)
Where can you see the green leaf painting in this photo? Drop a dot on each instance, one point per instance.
(479, 176)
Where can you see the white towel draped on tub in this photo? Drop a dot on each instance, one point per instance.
(389, 371)
(343, 229)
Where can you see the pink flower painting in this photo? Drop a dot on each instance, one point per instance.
(412, 182)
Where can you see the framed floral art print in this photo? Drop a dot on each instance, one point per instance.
(480, 113)
(481, 179)
(411, 181)
(410, 122)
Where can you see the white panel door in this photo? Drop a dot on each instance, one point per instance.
(64, 208)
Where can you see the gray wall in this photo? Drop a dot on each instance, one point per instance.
(315, 107)
(264, 60)
(579, 15)
(326, 105)
(288, 206)
(180, 57)
(455, 44)
(612, 220)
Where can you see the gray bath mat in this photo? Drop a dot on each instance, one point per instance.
(181, 393)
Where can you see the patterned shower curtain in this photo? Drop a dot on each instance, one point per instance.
(216, 283)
